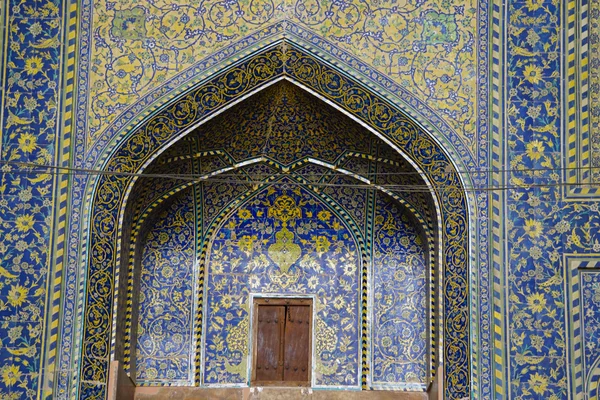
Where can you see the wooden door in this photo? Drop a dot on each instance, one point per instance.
(269, 354)
(282, 342)
(296, 350)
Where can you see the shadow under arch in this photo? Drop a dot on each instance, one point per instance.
(137, 150)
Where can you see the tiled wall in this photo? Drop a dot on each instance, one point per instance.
(542, 223)
(439, 55)
(401, 327)
(165, 342)
(284, 240)
(31, 61)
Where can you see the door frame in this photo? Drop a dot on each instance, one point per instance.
(252, 339)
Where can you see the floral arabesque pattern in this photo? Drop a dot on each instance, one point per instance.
(429, 48)
(538, 221)
(400, 276)
(138, 47)
(297, 126)
(245, 258)
(165, 341)
(30, 91)
(159, 131)
(238, 134)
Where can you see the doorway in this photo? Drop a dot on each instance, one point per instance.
(282, 342)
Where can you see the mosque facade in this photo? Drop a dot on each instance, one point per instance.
(336, 195)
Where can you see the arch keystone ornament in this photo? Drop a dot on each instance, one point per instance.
(140, 146)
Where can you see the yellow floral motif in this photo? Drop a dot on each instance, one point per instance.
(33, 65)
(535, 150)
(321, 244)
(533, 73)
(533, 228)
(538, 383)
(386, 342)
(151, 373)
(349, 269)
(284, 252)
(24, 223)
(326, 339)
(324, 216)
(285, 209)
(244, 214)
(237, 337)
(226, 301)
(537, 342)
(339, 302)
(11, 374)
(167, 272)
(246, 243)
(163, 237)
(17, 295)
(533, 5)
(27, 143)
(536, 302)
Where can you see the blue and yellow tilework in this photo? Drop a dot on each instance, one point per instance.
(362, 105)
(284, 240)
(234, 237)
(167, 285)
(450, 65)
(31, 47)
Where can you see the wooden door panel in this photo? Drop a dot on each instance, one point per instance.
(269, 343)
(296, 343)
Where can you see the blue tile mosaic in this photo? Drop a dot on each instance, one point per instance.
(431, 58)
(401, 327)
(302, 248)
(166, 304)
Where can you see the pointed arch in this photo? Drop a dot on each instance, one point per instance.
(139, 147)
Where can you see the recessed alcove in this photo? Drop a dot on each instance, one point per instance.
(281, 195)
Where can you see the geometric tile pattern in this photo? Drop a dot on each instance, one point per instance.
(593, 69)
(310, 129)
(297, 126)
(582, 137)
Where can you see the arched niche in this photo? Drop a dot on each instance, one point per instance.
(237, 261)
(104, 288)
(301, 247)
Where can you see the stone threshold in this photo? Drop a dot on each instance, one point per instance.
(269, 393)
